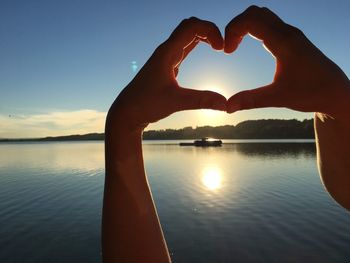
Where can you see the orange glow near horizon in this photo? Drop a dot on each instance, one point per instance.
(213, 116)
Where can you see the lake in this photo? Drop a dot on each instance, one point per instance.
(247, 201)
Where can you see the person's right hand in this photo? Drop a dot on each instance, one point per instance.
(305, 79)
(154, 93)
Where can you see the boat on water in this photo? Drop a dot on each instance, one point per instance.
(204, 142)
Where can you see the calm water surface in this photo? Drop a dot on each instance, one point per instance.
(243, 202)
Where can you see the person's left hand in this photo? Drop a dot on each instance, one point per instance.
(154, 93)
(305, 79)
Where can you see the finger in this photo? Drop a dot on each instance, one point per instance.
(191, 46)
(176, 71)
(185, 34)
(189, 99)
(186, 51)
(261, 23)
(267, 96)
(192, 28)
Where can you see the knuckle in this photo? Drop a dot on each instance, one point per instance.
(161, 49)
(230, 28)
(268, 13)
(247, 100)
(191, 20)
(290, 30)
(253, 9)
(188, 22)
(184, 21)
(161, 56)
(293, 36)
(227, 28)
(256, 14)
(210, 24)
(265, 9)
(296, 31)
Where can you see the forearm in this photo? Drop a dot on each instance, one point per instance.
(130, 227)
(333, 155)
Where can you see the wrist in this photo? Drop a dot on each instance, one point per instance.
(122, 145)
(123, 122)
(341, 123)
(125, 115)
(123, 135)
(338, 105)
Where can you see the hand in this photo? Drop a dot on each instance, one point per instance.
(154, 93)
(305, 79)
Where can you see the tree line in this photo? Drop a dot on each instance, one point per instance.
(251, 129)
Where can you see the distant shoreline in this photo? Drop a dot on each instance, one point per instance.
(251, 129)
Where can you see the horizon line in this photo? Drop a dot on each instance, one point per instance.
(175, 129)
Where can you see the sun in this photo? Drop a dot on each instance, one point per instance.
(219, 88)
(212, 116)
(209, 114)
(212, 178)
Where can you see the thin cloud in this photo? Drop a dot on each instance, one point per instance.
(52, 124)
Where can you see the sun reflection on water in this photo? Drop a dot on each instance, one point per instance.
(212, 178)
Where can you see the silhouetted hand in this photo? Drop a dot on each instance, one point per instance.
(154, 93)
(305, 79)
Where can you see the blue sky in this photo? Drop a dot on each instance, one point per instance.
(62, 63)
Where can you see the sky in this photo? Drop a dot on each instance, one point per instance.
(62, 63)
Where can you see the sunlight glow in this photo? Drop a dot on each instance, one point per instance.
(213, 117)
(52, 123)
(210, 114)
(217, 87)
(212, 178)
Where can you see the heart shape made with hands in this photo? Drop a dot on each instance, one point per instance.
(301, 81)
(227, 74)
(293, 83)
(208, 32)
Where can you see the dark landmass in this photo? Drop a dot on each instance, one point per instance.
(76, 137)
(252, 129)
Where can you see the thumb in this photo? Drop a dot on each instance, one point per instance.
(262, 97)
(189, 99)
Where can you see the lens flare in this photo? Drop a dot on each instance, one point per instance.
(134, 66)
